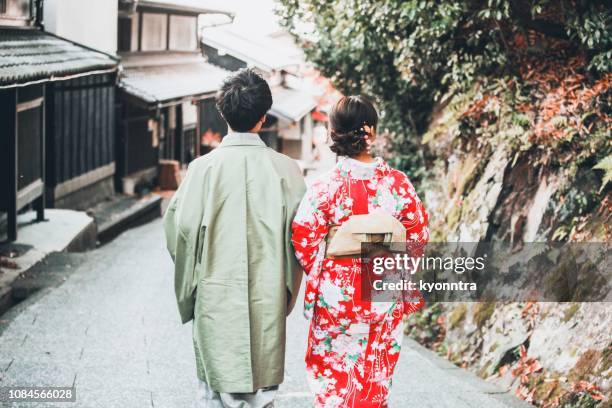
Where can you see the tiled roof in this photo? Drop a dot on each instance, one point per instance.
(28, 55)
(263, 53)
(190, 6)
(291, 104)
(160, 84)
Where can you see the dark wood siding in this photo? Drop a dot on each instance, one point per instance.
(30, 127)
(80, 124)
(210, 120)
(178, 140)
(269, 134)
(141, 154)
(29, 146)
(168, 133)
(135, 149)
(124, 34)
(22, 160)
(190, 149)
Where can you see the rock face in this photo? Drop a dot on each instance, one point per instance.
(482, 199)
(493, 179)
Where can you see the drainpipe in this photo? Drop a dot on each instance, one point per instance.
(36, 11)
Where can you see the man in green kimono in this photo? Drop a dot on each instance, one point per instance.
(228, 230)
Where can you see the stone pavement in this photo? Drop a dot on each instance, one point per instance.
(112, 329)
(61, 230)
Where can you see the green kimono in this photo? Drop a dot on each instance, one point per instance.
(228, 230)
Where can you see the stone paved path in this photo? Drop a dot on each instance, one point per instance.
(112, 330)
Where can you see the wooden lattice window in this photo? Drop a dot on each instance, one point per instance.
(154, 32)
(183, 33)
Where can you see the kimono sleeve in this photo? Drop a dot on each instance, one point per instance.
(310, 227)
(182, 228)
(415, 219)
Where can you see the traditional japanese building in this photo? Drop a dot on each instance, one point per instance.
(166, 87)
(289, 128)
(56, 117)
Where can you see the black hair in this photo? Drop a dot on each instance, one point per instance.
(347, 121)
(244, 98)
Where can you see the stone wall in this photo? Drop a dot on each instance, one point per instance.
(495, 176)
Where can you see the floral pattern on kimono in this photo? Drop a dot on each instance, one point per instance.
(353, 345)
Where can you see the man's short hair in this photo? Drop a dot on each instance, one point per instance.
(244, 98)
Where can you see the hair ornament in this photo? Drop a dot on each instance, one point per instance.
(368, 130)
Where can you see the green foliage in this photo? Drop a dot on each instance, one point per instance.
(606, 165)
(591, 27)
(407, 54)
(426, 326)
(579, 400)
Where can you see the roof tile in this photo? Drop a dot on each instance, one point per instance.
(159, 84)
(30, 55)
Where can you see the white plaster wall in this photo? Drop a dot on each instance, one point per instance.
(89, 22)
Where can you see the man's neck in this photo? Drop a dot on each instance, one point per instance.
(254, 130)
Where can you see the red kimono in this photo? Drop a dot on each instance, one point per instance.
(353, 345)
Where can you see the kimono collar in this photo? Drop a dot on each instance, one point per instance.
(362, 171)
(242, 139)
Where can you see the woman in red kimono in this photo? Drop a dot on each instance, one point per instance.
(353, 345)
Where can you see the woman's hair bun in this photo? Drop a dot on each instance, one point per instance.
(349, 143)
(347, 121)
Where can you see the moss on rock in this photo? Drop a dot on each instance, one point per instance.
(570, 312)
(457, 316)
(482, 313)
